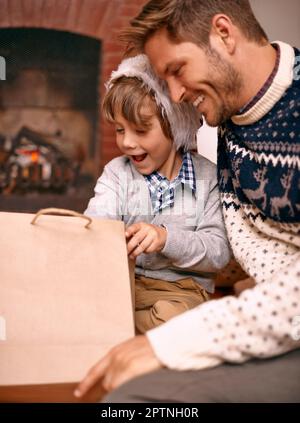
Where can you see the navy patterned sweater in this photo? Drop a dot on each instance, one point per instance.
(258, 167)
(260, 163)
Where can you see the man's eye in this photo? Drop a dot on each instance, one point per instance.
(176, 71)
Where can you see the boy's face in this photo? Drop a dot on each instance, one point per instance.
(148, 149)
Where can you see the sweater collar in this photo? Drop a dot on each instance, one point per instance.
(281, 82)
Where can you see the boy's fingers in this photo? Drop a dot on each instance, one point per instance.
(132, 245)
(141, 247)
(132, 229)
(135, 241)
(151, 248)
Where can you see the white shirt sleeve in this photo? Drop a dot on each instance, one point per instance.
(262, 322)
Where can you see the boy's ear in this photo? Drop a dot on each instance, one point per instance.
(223, 33)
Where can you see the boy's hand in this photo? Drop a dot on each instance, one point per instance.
(145, 238)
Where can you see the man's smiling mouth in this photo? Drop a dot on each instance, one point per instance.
(198, 100)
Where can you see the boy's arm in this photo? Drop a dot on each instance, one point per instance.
(107, 202)
(204, 249)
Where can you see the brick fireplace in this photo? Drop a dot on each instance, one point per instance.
(52, 106)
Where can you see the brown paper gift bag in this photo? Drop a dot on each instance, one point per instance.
(65, 300)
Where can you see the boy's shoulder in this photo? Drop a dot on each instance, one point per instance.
(119, 166)
(117, 162)
(120, 162)
(203, 167)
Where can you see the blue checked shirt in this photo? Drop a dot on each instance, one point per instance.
(162, 191)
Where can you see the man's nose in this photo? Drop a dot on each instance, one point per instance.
(177, 90)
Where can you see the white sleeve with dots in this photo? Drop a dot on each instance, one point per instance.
(261, 322)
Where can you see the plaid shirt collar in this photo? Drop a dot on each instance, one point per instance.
(162, 191)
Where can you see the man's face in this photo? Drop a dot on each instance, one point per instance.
(202, 77)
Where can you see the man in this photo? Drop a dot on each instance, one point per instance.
(214, 54)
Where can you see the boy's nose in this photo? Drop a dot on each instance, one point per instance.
(128, 141)
(177, 90)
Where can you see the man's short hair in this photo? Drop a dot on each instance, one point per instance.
(190, 20)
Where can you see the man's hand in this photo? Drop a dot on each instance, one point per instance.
(145, 238)
(240, 286)
(124, 362)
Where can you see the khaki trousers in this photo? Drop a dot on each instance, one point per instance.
(157, 301)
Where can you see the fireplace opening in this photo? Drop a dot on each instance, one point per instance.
(49, 113)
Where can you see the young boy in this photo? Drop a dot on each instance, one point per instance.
(166, 195)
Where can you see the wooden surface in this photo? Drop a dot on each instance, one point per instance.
(48, 394)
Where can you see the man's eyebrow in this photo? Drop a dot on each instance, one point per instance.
(165, 70)
(170, 65)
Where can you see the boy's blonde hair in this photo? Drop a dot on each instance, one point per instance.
(129, 97)
(139, 86)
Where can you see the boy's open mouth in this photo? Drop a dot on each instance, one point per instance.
(139, 158)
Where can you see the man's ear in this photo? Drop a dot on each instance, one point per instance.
(223, 32)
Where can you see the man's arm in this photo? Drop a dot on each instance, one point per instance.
(124, 362)
(259, 323)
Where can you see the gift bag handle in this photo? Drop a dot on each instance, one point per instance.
(53, 210)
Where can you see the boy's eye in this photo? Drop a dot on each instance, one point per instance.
(141, 131)
(120, 130)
